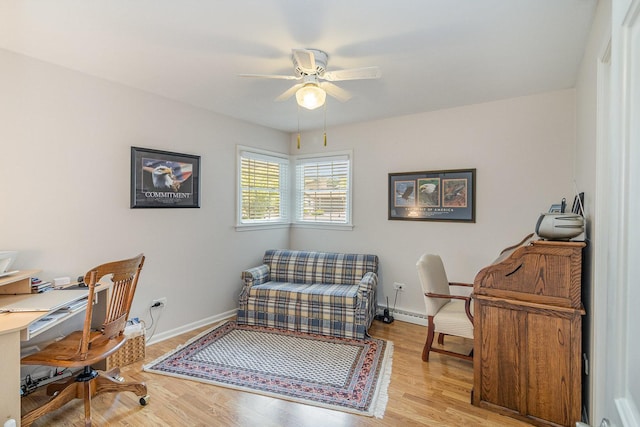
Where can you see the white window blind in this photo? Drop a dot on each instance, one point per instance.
(323, 189)
(263, 189)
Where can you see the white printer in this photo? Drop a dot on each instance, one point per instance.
(559, 226)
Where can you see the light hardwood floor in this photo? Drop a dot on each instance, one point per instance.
(420, 394)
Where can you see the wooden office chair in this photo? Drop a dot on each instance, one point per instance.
(84, 348)
(447, 314)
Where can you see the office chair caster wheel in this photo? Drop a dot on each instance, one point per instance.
(144, 400)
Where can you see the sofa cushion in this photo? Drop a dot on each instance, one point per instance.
(317, 294)
(318, 267)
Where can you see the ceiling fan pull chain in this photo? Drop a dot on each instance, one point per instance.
(298, 127)
(325, 124)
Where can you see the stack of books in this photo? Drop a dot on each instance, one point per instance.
(38, 286)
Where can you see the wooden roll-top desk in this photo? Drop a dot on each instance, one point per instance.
(527, 333)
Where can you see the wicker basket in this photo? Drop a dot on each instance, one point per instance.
(132, 351)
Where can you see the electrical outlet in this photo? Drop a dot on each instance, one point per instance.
(159, 302)
(398, 286)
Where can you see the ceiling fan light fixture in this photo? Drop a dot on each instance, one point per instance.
(310, 96)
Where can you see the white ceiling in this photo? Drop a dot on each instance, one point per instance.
(433, 54)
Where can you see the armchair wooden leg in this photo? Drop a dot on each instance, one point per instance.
(441, 339)
(429, 342)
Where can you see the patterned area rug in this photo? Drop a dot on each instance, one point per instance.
(344, 374)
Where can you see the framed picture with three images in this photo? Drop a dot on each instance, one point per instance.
(442, 195)
(163, 179)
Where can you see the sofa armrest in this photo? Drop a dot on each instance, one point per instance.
(368, 284)
(367, 299)
(256, 275)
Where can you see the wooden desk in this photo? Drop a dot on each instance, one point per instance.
(14, 328)
(527, 333)
(18, 283)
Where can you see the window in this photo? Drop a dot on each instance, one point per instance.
(323, 189)
(322, 196)
(263, 195)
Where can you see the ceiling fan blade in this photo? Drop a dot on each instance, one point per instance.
(353, 74)
(305, 60)
(335, 91)
(289, 92)
(270, 76)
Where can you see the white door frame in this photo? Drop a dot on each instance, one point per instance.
(617, 353)
(598, 370)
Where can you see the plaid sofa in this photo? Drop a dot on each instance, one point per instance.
(316, 292)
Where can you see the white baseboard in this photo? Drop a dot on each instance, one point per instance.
(191, 326)
(407, 316)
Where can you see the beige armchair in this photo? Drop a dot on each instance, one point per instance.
(447, 314)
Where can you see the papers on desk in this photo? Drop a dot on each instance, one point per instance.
(48, 319)
(53, 317)
(39, 286)
(81, 303)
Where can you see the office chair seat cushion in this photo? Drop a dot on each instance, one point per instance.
(50, 355)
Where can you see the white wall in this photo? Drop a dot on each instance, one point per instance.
(522, 149)
(65, 141)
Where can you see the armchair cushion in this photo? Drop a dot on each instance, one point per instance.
(446, 314)
(452, 320)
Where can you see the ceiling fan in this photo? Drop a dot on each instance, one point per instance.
(315, 81)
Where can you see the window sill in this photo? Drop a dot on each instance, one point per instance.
(261, 226)
(311, 225)
(323, 226)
